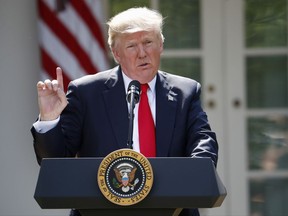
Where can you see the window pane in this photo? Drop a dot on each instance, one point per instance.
(268, 143)
(267, 82)
(266, 23)
(188, 67)
(269, 197)
(117, 6)
(182, 23)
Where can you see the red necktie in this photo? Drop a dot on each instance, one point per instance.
(146, 125)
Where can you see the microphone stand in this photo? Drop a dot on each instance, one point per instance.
(131, 122)
(132, 98)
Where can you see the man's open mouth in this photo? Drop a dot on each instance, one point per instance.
(143, 65)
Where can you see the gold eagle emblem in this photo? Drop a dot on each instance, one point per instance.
(125, 175)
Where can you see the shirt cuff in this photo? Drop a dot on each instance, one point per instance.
(44, 126)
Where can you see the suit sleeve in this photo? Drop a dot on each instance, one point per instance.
(49, 144)
(202, 140)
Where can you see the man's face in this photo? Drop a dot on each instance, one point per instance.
(139, 54)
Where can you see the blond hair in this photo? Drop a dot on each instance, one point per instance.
(134, 20)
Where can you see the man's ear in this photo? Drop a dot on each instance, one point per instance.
(116, 54)
(161, 47)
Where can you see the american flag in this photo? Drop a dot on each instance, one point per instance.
(71, 36)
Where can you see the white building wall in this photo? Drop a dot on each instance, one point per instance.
(19, 70)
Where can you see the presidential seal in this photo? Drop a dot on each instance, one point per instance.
(125, 177)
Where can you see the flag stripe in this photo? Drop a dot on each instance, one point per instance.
(80, 30)
(88, 18)
(49, 66)
(59, 52)
(66, 37)
(71, 36)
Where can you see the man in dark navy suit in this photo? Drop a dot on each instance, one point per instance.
(91, 120)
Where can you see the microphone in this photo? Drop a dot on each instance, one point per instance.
(133, 96)
(133, 92)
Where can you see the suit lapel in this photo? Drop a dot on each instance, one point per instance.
(116, 106)
(166, 104)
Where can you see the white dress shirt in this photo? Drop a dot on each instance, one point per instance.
(152, 102)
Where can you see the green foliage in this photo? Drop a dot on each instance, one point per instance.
(182, 23)
(117, 6)
(188, 67)
(266, 23)
(267, 77)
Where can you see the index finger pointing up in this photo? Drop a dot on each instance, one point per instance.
(59, 78)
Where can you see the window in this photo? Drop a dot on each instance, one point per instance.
(267, 103)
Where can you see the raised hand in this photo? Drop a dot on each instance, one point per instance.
(51, 97)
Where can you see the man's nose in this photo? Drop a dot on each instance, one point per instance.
(141, 51)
